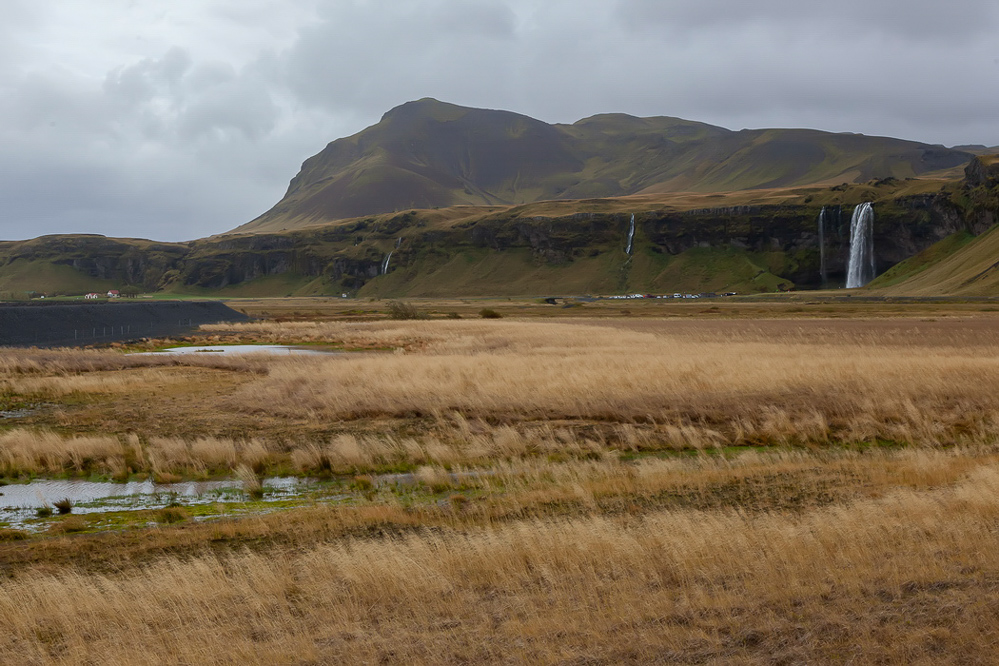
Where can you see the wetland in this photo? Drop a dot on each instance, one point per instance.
(747, 483)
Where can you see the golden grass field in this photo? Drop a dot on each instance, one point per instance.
(738, 484)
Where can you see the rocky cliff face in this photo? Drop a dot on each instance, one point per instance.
(348, 256)
(982, 171)
(125, 261)
(980, 192)
(902, 228)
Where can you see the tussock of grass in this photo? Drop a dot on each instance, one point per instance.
(252, 484)
(171, 514)
(69, 525)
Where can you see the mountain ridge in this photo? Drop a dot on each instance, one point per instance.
(431, 154)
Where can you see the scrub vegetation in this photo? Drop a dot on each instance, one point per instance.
(817, 485)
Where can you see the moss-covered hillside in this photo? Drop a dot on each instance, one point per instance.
(428, 154)
(749, 241)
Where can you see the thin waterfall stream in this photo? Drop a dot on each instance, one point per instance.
(631, 235)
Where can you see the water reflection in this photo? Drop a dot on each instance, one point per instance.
(19, 502)
(243, 349)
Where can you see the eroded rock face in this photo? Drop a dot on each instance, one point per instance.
(982, 171)
(981, 191)
(348, 256)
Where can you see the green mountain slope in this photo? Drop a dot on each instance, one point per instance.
(429, 154)
(964, 267)
(931, 238)
(961, 264)
(748, 241)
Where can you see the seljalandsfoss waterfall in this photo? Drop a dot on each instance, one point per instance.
(631, 235)
(822, 246)
(860, 268)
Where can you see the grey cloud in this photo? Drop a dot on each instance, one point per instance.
(18, 16)
(144, 192)
(726, 63)
(367, 56)
(171, 98)
(44, 101)
(904, 18)
(147, 152)
(238, 106)
(197, 127)
(148, 78)
(492, 20)
(206, 76)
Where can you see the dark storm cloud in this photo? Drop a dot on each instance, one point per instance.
(178, 120)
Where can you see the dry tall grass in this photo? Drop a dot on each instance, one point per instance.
(908, 578)
(28, 452)
(470, 392)
(63, 362)
(31, 452)
(751, 390)
(526, 535)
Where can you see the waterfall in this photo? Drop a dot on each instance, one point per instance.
(822, 246)
(631, 234)
(860, 269)
(398, 242)
(385, 262)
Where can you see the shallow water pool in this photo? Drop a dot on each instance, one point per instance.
(244, 349)
(19, 502)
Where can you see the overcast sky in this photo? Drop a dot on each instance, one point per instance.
(177, 119)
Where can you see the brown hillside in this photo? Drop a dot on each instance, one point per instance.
(429, 154)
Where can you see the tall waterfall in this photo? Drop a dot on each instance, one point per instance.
(398, 242)
(822, 246)
(385, 262)
(860, 269)
(631, 234)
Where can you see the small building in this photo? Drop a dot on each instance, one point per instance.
(114, 293)
(92, 295)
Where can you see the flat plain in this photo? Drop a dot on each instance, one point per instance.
(723, 482)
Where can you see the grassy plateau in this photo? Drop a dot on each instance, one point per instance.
(506, 481)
